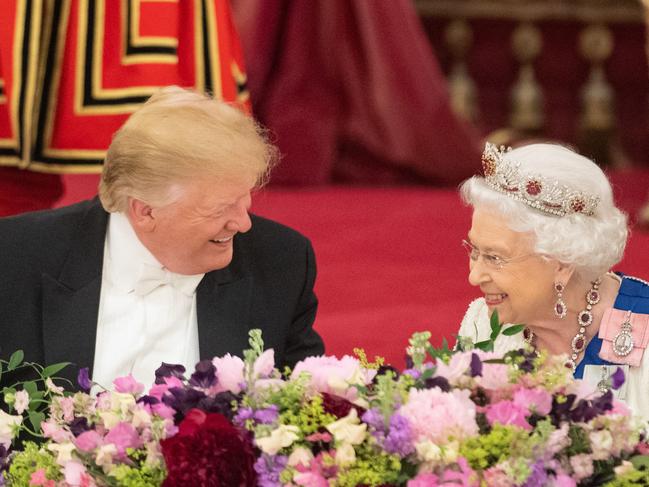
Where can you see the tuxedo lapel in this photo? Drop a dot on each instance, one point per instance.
(71, 300)
(223, 309)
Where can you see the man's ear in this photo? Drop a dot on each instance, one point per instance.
(140, 214)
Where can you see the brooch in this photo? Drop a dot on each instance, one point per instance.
(623, 341)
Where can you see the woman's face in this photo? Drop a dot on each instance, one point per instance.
(515, 281)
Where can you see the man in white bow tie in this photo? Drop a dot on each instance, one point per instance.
(168, 265)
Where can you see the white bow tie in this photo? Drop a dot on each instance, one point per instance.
(152, 277)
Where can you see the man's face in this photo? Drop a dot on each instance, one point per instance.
(195, 233)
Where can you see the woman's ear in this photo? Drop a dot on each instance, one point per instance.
(140, 214)
(563, 272)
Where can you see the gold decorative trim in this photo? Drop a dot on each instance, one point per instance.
(614, 11)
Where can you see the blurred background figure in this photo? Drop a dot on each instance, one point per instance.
(353, 93)
(72, 72)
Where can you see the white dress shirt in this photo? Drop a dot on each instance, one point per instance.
(142, 322)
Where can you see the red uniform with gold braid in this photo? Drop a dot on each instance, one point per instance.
(72, 71)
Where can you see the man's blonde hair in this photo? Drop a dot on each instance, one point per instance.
(177, 136)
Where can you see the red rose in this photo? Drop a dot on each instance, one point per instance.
(208, 451)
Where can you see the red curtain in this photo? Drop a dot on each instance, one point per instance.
(352, 93)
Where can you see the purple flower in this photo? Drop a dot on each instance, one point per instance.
(617, 379)
(204, 376)
(538, 477)
(438, 381)
(79, 425)
(400, 439)
(269, 468)
(169, 370)
(243, 414)
(374, 418)
(476, 365)
(267, 416)
(83, 379)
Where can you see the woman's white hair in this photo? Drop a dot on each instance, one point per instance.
(593, 244)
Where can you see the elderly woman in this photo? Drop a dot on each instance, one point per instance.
(545, 233)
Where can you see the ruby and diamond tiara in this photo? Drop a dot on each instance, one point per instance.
(536, 191)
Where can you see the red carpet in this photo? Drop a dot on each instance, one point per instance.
(390, 260)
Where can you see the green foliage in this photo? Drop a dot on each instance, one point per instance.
(371, 469)
(28, 461)
(499, 444)
(579, 441)
(309, 418)
(37, 390)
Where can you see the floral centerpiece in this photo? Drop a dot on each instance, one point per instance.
(464, 417)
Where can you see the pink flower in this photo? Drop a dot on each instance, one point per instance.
(38, 477)
(229, 372)
(310, 479)
(508, 413)
(74, 473)
(563, 480)
(333, 375)
(494, 376)
(128, 385)
(163, 410)
(123, 436)
(424, 480)
(619, 408)
(88, 441)
(435, 415)
(536, 400)
(67, 407)
(55, 432)
(457, 366)
(582, 466)
(497, 476)
(265, 364)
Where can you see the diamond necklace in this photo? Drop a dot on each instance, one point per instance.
(584, 320)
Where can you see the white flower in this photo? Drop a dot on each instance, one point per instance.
(104, 456)
(8, 427)
(601, 443)
(299, 456)
(279, 438)
(21, 401)
(63, 451)
(428, 451)
(141, 418)
(345, 455)
(54, 389)
(347, 429)
(110, 419)
(122, 402)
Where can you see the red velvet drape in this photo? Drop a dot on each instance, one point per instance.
(352, 92)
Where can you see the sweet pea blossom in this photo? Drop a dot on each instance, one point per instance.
(74, 473)
(229, 372)
(128, 385)
(457, 366)
(300, 456)
(21, 401)
(347, 430)
(8, 427)
(537, 400)
(63, 451)
(508, 413)
(601, 442)
(279, 438)
(53, 388)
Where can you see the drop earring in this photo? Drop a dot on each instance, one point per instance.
(560, 308)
